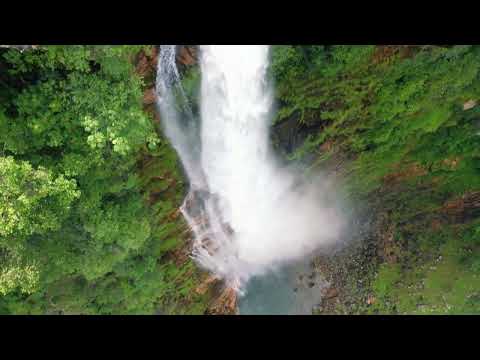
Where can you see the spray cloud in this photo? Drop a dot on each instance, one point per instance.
(248, 213)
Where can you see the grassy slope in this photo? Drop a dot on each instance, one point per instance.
(397, 114)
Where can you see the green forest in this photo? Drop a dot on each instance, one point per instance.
(90, 187)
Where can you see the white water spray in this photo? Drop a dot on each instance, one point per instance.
(250, 215)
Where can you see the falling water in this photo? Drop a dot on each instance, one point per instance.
(249, 215)
(181, 127)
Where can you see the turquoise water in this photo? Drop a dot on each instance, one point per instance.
(292, 290)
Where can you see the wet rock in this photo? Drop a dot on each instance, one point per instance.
(149, 96)
(290, 133)
(225, 303)
(206, 284)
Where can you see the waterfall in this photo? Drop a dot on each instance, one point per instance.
(248, 213)
(180, 128)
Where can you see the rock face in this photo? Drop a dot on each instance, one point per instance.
(146, 64)
(225, 303)
(146, 67)
(187, 55)
(461, 209)
(206, 284)
(149, 96)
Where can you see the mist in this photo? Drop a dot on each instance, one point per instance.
(249, 213)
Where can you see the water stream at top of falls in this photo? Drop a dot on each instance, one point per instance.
(249, 215)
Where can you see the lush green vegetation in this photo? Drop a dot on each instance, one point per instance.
(398, 113)
(88, 189)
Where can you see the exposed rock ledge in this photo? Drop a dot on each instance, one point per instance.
(20, 47)
(187, 55)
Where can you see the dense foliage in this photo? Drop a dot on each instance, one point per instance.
(89, 191)
(80, 161)
(398, 114)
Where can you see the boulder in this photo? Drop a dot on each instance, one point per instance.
(469, 104)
